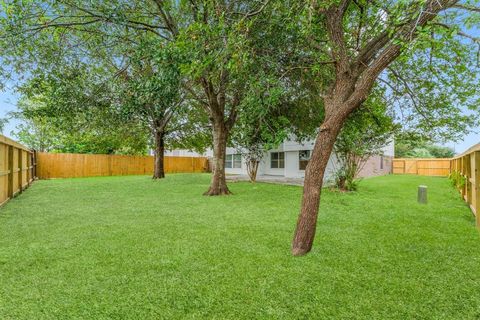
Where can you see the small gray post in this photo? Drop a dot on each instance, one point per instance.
(422, 194)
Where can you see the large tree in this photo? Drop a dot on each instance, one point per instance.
(216, 35)
(219, 37)
(261, 126)
(151, 93)
(360, 40)
(129, 55)
(63, 112)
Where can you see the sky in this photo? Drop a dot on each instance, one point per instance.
(8, 100)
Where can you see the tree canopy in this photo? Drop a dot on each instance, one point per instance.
(410, 145)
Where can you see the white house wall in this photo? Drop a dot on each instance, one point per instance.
(291, 169)
(292, 145)
(291, 165)
(389, 149)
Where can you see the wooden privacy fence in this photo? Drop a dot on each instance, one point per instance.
(17, 168)
(72, 165)
(466, 167)
(422, 167)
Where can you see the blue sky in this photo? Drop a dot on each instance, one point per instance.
(8, 100)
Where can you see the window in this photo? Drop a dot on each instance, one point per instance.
(237, 160)
(233, 161)
(277, 160)
(303, 158)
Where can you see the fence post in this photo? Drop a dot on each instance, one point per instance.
(110, 165)
(463, 172)
(476, 194)
(28, 168)
(34, 160)
(20, 170)
(468, 183)
(10, 172)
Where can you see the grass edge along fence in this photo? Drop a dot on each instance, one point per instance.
(466, 178)
(74, 165)
(17, 168)
(435, 167)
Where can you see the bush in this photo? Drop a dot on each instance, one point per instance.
(457, 179)
(345, 179)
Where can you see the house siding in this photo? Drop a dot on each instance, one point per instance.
(291, 149)
(373, 167)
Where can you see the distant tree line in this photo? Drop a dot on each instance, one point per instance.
(416, 147)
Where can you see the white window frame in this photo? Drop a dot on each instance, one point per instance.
(237, 161)
(229, 161)
(279, 161)
(233, 161)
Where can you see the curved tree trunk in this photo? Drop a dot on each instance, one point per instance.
(218, 185)
(158, 170)
(252, 169)
(314, 173)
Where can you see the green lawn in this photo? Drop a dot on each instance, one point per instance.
(132, 248)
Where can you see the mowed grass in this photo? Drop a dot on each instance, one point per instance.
(133, 248)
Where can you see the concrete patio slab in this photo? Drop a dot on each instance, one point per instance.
(268, 179)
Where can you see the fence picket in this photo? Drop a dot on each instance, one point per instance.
(69, 165)
(17, 168)
(422, 167)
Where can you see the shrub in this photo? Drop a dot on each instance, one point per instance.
(457, 179)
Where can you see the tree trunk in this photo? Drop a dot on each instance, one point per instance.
(158, 170)
(252, 169)
(218, 185)
(314, 173)
(341, 183)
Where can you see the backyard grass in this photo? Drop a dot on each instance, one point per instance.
(132, 248)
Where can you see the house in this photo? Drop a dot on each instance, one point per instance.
(290, 159)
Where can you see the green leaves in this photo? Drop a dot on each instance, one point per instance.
(408, 145)
(367, 130)
(276, 63)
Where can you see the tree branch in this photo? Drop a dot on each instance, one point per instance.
(254, 12)
(459, 32)
(393, 50)
(466, 7)
(167, 18)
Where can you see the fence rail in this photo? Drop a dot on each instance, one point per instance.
(467, 166)
(72, 165)
(422, 167)
(17, 168)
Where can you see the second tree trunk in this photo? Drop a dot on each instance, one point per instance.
(158, 170)
(218, 184)
(314, 173)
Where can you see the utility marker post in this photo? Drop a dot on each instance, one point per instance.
(422, 194)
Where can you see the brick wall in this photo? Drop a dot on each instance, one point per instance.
(373, 166)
